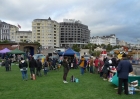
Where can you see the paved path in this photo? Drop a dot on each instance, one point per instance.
(84, 50)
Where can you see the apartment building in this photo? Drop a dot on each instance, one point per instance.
(122, 43)
(73, 32)
(4, 31)
(46, 32)
(13, 32)
(22, 36)
(111, 39)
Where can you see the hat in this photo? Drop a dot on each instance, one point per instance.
(110, 61)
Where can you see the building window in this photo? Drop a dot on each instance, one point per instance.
(54, 37)
(54, 34)
(54, 43)
(21, 36)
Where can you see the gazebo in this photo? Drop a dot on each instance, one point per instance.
(5, 50)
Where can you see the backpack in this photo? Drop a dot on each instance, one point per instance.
(72, 79)
(85, 63)
(45, 64)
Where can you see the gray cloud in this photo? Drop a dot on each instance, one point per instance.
(104, 17)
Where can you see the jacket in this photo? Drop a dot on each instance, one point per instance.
(66, 66)
(106, 65)
(82, 62)
(39, 65)
(23, 64)
(96, 61)
(124, 68)
(6, 63)
(32, 63)
(91, 62)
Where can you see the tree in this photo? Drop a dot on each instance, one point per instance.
(76, 48)
(108, 47)
(5, 41)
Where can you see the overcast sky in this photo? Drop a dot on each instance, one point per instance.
(103, 17)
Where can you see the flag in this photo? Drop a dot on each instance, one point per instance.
(19, 26)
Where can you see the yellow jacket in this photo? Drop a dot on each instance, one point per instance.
(82, 61)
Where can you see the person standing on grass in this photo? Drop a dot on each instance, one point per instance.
(101, 66)
(123, 70)
(105, 69)
(96, 62)
(32, 65)
(66, 69)
(46, 65)
(91, 63)
(75, 62)
(6, 64)
(23, 68)
(54, 63)
(39, 67)
(82, 64)
(10, 61)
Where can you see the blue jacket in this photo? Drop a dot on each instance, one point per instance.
(124, 68)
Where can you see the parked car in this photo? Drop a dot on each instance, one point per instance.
(38, 56)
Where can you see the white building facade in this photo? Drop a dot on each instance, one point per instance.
(46, 32)
(4, 31)
(23, 36)
(112, 40)
(13, 32)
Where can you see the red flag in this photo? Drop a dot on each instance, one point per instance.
(19, 26)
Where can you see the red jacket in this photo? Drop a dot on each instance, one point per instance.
(96, 61)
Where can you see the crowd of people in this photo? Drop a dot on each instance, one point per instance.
(95, 65)
(103, 65)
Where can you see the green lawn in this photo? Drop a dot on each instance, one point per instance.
(90, 86)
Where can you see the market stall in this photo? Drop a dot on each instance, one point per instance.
(5, 50)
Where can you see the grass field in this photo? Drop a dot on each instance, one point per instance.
(90, 86)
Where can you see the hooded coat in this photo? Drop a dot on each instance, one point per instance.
(23, 64)
(106, 65)
(82, 62)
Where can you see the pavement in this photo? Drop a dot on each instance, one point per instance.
(46, 51)
(84, 50)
